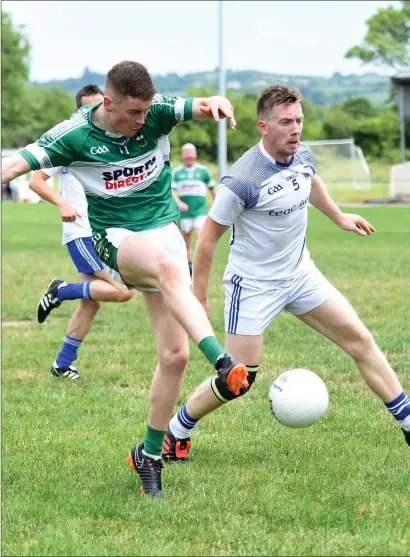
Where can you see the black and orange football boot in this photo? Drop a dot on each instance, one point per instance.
(175, 450)
(233, 374)
(148, 469)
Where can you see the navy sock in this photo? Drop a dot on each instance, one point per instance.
(74, 291)
(400, 409)
(68, 352)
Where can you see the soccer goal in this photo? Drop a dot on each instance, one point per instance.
(400, 182)
(342, 166)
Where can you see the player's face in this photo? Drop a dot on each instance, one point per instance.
(188, 156)
(283, 130)
(92, 99)
(127, 114)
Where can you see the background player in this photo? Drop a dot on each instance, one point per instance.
(190, 182)
(77, 236)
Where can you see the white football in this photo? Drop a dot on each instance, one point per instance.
(298, 398)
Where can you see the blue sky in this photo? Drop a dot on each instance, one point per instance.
(298, 37)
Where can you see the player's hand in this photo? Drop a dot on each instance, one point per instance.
(68, 213)
(183, 207)
(356, 224)
(219, 107)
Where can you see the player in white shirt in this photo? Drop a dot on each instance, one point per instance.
(264, 199)
(77, 236)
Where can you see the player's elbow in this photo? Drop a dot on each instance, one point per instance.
(38, 182)
(13, 167)
(34, 185)
(7, 174)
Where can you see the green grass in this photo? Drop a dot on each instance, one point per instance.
(253, 487)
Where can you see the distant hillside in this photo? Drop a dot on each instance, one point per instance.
(319, 90)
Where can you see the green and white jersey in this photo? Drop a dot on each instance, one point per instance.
(127, 180)
(191, 185)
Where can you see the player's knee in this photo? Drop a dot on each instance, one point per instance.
(224, 394)
(360, 345)
(175, 359)
(168, 271)
(90, 306)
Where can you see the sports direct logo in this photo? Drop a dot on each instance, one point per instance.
(129, 175)
(99, 150)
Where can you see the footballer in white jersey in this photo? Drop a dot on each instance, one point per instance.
(77, 236)
(73, 192)
(269, 267)
(264, 200)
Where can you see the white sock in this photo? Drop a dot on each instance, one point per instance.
(154, 456)
(405, 424)
(181, 424)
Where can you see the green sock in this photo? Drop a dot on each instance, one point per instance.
(211, 349)
(154, 439)
(190, 266)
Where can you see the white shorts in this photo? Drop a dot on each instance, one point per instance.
(170, 239)
(251, 305)
(188, 225)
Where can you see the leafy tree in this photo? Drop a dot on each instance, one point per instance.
(387, 41)
(27, 110)
(15, 73)
(47, 106)
(204, 135)
(313, 121)
(378, 136)
(358, 107)
(338, 124)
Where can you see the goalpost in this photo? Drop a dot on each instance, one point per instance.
(342, 166)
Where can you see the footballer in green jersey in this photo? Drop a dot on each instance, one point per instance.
(190, 183)
(118, 150)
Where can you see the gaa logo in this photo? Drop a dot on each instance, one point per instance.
(99, 150)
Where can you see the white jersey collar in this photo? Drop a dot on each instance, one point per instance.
(271, 159)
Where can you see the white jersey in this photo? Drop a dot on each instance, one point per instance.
(265, 202)
(72, 190)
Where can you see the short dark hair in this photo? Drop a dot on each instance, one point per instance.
(86, 91)
(274, 96)
(131, 79)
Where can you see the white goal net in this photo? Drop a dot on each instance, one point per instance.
(400, 181)
(342, 166)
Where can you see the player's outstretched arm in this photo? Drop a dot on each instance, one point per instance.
(320, 198)
(39, 186)
(203, 258)
(12, 167)
(213, 108)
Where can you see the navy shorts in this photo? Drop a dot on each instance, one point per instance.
(84, 256)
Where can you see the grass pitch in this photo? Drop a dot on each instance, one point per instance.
(253, 487)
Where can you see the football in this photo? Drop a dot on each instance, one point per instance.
(298, 398)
